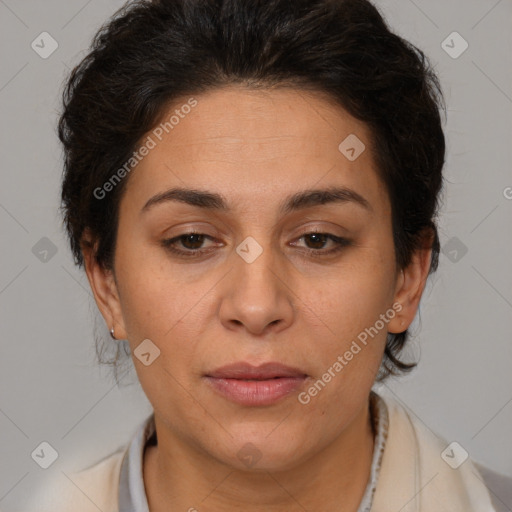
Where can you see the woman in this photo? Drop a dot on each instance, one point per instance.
(252, 189)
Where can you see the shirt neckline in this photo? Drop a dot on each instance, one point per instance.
(132, 494)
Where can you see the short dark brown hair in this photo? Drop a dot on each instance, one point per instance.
(153, 52)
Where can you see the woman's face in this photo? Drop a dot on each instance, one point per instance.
(253, 287)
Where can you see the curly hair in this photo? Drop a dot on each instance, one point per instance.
(151, 53)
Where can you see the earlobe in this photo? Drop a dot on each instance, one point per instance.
(104, 289)
(409, 289)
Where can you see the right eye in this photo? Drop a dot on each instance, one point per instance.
(192, 242)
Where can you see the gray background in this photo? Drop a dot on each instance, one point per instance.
(51, 388)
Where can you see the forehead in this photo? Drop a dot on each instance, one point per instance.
(267, 122)
(240, 141)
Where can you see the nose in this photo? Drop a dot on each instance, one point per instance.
(257, 297)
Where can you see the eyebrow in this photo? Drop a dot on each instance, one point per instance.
(298, 201)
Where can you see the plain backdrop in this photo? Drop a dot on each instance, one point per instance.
(51, 388)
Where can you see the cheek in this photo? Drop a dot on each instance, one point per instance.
(344, 316)
(353, 296)
(168, 307)
(148, 294)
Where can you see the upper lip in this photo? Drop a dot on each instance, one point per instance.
(243, 370)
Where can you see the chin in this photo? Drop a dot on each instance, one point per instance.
(260, 451)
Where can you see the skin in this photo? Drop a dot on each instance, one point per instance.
(256, 148)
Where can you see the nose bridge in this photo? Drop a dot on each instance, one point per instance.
(257, 296)
(255, 264)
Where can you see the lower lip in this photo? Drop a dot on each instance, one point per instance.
(256, 392)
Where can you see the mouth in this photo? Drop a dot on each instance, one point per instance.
(250, 385)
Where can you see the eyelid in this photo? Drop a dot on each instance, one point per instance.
(315, 228)
(340, 243)
(310, 229)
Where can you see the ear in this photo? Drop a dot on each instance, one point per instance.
(409, 288)
(104, 288)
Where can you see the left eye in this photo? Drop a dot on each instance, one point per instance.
(315, 242)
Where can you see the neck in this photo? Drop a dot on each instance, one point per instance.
(178, 477)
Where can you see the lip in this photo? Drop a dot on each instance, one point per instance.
(250, 385)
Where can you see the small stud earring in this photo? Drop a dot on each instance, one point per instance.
(112, 334)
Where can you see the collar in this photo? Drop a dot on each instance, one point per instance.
(422, 472)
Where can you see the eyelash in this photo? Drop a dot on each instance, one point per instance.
(341, 243)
